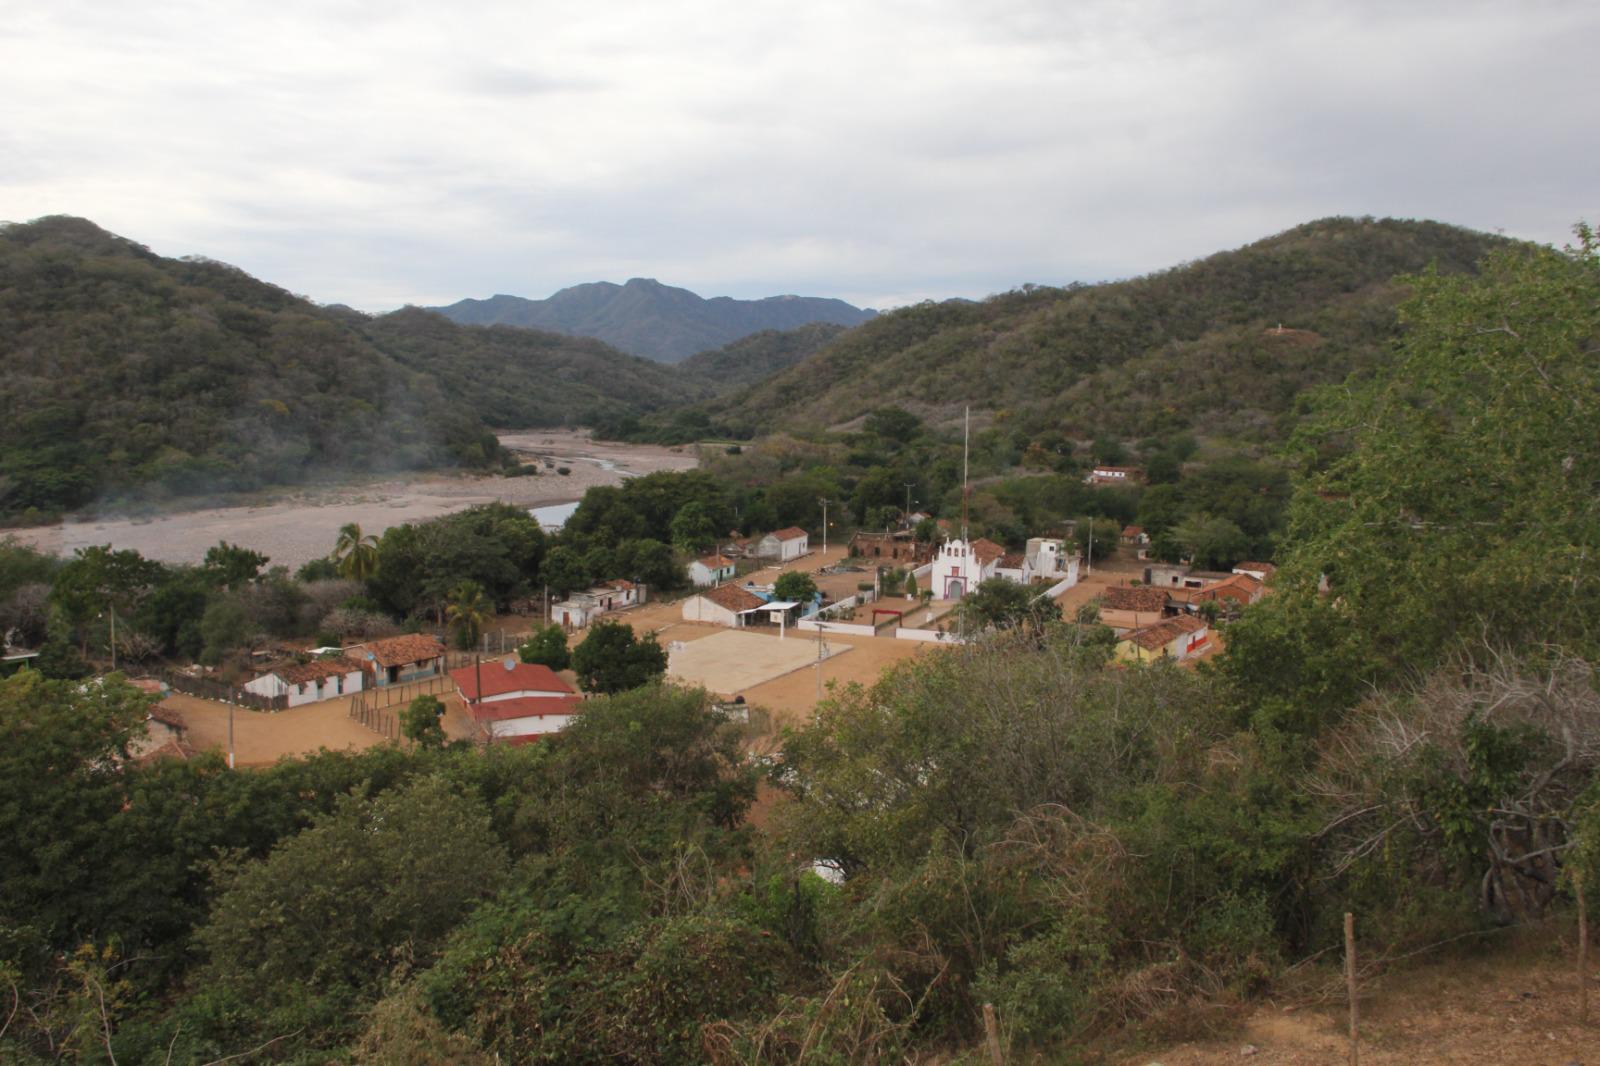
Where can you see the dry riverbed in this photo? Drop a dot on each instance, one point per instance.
(296, 526)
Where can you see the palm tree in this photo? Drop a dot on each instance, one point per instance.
(468, 609)
(355, 555)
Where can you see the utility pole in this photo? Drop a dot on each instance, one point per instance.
(824, 503)
(1090, 560)
(908, 485)
(230, 735)
(113, 636)
(966, 441)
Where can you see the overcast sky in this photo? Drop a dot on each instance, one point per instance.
(378, 154)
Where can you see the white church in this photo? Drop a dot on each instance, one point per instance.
(962, 566)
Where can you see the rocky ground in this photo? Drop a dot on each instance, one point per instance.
(294, 526)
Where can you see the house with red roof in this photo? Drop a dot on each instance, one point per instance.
(518, 702)
(302, 683)
(1180, 637)
(395, 660)
(709, 570)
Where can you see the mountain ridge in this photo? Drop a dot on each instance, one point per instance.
(644, 317)
(1186, 347)
(135, 374)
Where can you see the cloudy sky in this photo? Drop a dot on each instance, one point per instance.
(883, 151)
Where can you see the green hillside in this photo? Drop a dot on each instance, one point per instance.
(513, 377)
(1193, 347)
(758, 356)
(128, 373)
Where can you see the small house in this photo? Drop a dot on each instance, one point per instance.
(395, 660)
(517, 702)
(785, 544)
(725, 605)
(1103, 474)
(582, 608)
(1177, 638)
(302, 683)
(709, 570)
(1260, 571)
(1050, 560)
(900, 547)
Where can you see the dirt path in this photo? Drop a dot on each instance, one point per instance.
(1518, 1004)
(262, 738)
(296, 526)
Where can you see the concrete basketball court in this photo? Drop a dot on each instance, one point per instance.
(730, 662)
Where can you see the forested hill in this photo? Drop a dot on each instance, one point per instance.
(650, 319)
(760, 355)
(1194, 347)
(130, 373)
(513, 378)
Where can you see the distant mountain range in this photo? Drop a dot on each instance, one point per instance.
(656, 321)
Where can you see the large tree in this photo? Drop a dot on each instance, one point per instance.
(611, 659)
(1458, 494)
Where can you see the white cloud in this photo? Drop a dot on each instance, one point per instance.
(383, 153)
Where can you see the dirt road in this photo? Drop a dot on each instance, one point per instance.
(295, 526)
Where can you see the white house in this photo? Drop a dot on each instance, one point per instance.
(519, 702)
(581, 608)
(725, 605)
(320, 679)
(961, 567)
(711, 570)
(1260, 571)
(1104, 474)
(785, 544)
(1051, 561)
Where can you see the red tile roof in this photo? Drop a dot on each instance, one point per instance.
(1129, 598)
(1262, 568)
(403, 650)
(791, 533)
(1150, 638)
(733, 598)
(987, 550)
(715, 562)
(315, 670)
(1012, 561)
(524, 707)
(1132, 531)
(497, 680)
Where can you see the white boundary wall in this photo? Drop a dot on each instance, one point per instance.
(1060, 586)
(930, 636)
(847, 628)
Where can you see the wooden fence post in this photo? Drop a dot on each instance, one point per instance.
(991, 1030)
(1350, 987)
(1583, 949)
